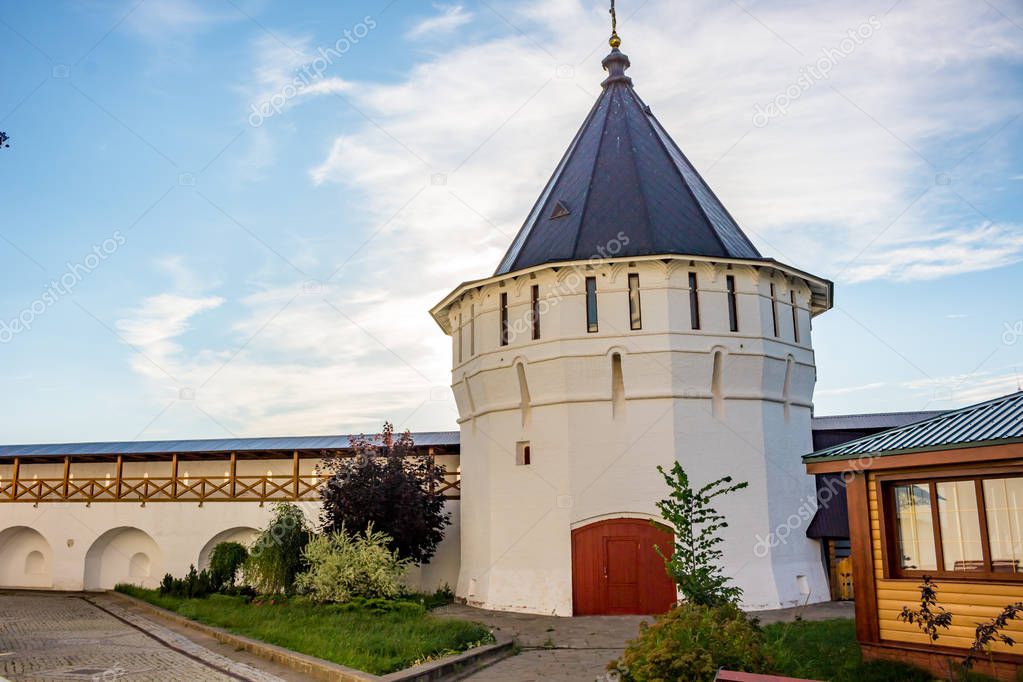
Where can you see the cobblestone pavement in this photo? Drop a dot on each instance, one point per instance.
(56, 637)
(578, 649)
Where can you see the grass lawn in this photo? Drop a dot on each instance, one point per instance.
(364, 639)
(827, 650)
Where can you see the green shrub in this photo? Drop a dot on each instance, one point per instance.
(277, 556)
(378, 607)
(691, 642)
(342, 568)
(695, 560)
(194, 585)
(226, 561)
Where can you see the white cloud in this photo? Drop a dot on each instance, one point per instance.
(967, 389)
(459, 148)
(161, 18)
(845, 390)
(156, 325)
(451, 17)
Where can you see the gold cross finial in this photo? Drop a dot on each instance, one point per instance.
(615, 40)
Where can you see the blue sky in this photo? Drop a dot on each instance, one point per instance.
(251, 236)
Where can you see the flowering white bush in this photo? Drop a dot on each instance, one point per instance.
(342, 568)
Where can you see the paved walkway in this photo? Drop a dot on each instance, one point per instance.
(579, 649)
(47, 636)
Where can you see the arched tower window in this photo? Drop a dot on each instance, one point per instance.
(717, 384)
(617, 386)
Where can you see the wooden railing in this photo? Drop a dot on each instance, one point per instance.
(174, 488)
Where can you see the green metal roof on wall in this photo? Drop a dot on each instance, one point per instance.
(993, 422)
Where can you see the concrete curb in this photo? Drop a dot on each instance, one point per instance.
(448, 668)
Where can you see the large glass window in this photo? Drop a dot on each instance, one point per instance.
(959, 519)
(955, 527)
(915, 525)
(1003, 506)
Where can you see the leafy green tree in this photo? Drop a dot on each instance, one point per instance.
(343, 568)
(388, 484)
(276, 557)
(4, 139)
(226, 561)
(695, 562)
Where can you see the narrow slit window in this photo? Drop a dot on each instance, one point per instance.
(534, 309)
(694, 302)
(591, 304)
(795, 316)
(523, 454)
(472, 330)
(774, 310)
(460, 339)
(733, 312)
(635, 309)
(504, 318)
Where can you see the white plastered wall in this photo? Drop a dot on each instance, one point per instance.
(97, 546)
(590, 461)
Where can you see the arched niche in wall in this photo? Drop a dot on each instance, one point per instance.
(786, 391)
(717, 381)
(26, 559)
(243, 535)
(524, 399)
(616, 356)
(114, 558)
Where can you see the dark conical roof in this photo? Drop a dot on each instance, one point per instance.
(623, 174)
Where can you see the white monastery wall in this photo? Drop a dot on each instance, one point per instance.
(75, 546)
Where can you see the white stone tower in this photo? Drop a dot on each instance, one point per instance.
(631, 324)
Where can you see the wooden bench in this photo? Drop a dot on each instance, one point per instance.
(731, 676)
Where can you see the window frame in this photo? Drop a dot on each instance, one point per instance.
(884, 487)
(534, 307)
(592, 310)
(795, 315)
(694, 302)
(733, 303)
(635, 303)
(774, 311)
(504, 318)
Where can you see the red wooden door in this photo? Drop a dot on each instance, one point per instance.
(616, 570)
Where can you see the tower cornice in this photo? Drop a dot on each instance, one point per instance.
(822, 290)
